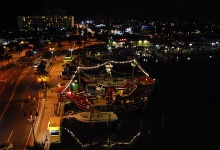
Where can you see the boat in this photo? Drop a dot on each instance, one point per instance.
(112, 88)
(95, 117)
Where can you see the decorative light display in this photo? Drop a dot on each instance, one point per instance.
(133, 62)
(108, 68)
(109, 143)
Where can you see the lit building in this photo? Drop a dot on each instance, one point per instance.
(53, 18)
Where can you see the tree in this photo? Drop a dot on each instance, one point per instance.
(41, 68)
(59, 45)
(29, 53)
(19, 49)
(38, 146)
(79, 41)
(85, 32)
(2, 52)
(8, 56)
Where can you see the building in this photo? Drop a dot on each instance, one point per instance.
(52, 18)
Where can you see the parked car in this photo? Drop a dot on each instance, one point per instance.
(7, 145)
(35, 64)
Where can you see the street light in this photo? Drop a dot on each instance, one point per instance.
(43, 80)
(108, 68)
(133, 64)
(190, 45)
(31, 120)
(71, 51)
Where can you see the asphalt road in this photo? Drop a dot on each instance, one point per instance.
(16, 85)
(19, 94)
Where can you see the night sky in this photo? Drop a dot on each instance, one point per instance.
(180, 10)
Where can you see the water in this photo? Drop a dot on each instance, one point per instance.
(183, 113)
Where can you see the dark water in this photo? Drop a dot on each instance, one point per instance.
(183, 113)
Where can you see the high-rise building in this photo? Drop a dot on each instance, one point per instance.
(57, 18)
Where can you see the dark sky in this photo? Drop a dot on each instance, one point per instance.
(193, 10)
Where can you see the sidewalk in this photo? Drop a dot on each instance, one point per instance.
(47, 110)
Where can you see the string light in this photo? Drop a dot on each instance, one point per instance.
(103, 64)
(110, 142)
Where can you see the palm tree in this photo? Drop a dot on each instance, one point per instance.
(29, 54)
(19, 49)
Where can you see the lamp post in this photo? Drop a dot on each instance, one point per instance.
(71, 51)
(31, 120)
(108, 68)
(43, 80)
(133, 64)
(190, 45)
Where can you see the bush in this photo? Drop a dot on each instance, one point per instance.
(38, 146)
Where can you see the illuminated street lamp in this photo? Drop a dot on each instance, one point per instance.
(71, 51)
(108, 68)
(31, 120)
(213, 44)
(190, 45)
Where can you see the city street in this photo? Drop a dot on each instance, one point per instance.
(20, 94)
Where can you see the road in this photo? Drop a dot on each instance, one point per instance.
(16, 85)
(19, 94)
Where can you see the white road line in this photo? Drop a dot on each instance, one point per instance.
(11, 97)
(4, 85)
(10, 135)
(22, 104)
(12, 81)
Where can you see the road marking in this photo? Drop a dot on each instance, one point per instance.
(4, 80)
(12, 81)
(22, 104)
(5, 85)
(10, 135)
(12, 95)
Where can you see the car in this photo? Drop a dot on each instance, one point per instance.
(43, 61)
(35, 64)
(7, 145)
